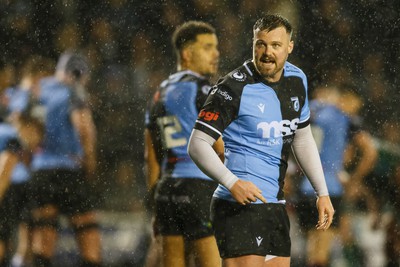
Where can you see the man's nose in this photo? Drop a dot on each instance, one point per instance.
(267, 50)
(216, 53)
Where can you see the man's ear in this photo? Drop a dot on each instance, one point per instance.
(290, 47)
(186, 54)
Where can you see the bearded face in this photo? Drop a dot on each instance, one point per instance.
(270, 52)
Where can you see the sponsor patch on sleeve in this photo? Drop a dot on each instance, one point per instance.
(206, 89)
(238, 76)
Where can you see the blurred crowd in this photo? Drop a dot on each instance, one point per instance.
(128, 45)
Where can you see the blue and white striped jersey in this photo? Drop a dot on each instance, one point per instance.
(170, 119)
(257, 120)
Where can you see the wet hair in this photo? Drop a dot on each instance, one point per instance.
(186, 34)
(73, 63)
(270, 22)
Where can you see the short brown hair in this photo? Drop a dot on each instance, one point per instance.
(270, 22)
(187, 33)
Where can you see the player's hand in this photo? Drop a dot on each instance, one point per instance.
(246, 192)
(325, 213)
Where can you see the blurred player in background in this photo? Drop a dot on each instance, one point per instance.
(17, 141)
(335, 125)
(15, 99)
(65, 164)
(182, 192)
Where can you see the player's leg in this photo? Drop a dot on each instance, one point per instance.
(44, 211)
(244, 261)
(44, 234)
(206, 252)
(23, 253)
(173, 251)
(319, 246)
(319, 243)
(154, 253)
(168, 222)
(87, 234)
(277, 261)
(197, 226)
(256, 261)
(79, 204)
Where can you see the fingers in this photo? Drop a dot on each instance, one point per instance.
(245, 202)
(325, 213)
(330, 220)
(322, 223)
(253, 198)
(325, 221)
(248, 201)
(254, 195)
(246, 192)
(261, 197)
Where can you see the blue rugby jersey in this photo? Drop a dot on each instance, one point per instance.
(170, 119)
(61, 148)
(332, 129)
(9, 141)
(257, 120)
(18, 99)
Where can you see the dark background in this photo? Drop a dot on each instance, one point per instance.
(128, 44)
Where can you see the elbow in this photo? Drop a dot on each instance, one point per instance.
(190, 149)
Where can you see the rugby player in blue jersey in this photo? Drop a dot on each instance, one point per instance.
(261, 111)
(64, 164)
(17, 140)
(336, 126)
(182, 192)
(16, 99)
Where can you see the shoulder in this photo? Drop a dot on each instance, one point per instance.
(237, 79)
(51, 86)
(186, 76)
(48, 81)
(292, 70)
(318, 105)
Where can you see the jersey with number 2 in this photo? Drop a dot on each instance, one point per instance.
(171, 118)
